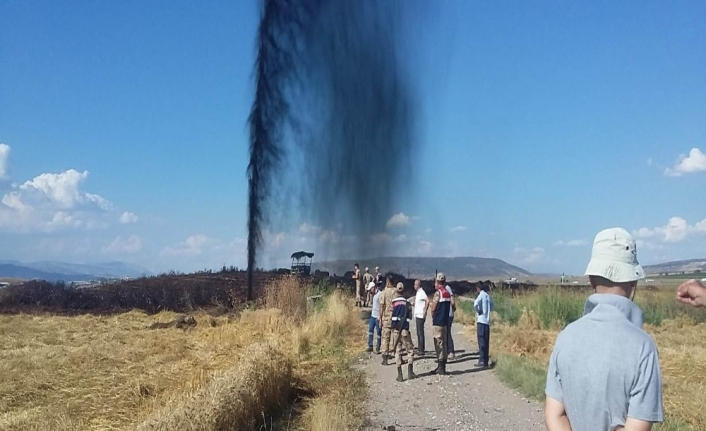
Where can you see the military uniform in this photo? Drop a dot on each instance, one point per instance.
(359, 289)
(367, 279)
(386, 318)
(401, 337)
(441, 304)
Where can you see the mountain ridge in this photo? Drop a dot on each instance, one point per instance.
(686, 266)
(62, 271)
(461, 267)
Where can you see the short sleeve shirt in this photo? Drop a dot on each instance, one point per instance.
(604, 369)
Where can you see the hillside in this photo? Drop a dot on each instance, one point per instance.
(61, 271)
(426, 267)
(687, 266)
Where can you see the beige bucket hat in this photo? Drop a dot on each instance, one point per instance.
(614, 256)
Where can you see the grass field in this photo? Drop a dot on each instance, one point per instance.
(526, 326)
(113, 373)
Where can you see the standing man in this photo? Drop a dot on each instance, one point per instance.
(367, 279)
(378, 279)
(483, 306)
(440, 310)
(401, 316)
(358, 286)
(450, 341)
(604, 371)
(386, 298)
(374, 324)
(421, 308)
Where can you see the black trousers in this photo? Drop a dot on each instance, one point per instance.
(420, 334)
(483, 331)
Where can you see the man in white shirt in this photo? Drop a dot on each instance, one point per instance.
(421, 308)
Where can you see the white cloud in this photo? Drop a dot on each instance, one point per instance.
(648, 245)
(400, 220)
(120, 245)
(4, 157)
(525, 256)
(459, 229)
(694, 162)
(49, 202)
(428, 230)
(649, 161)
(571, 243)
(676, 230)
(192, 246)
(306, 229)
(127, 218)
(425, 248)
(701, 226)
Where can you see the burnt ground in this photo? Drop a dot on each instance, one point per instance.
(465, 400)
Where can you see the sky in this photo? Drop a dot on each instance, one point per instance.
(123, 134)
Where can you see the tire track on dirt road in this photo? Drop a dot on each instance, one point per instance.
(467, 399)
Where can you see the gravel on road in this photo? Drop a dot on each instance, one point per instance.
(466, 399)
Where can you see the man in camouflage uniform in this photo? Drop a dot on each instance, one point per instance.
(401, 316)
(386, 317)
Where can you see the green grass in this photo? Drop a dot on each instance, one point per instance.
(557, 307)
(523, 375)
(529, 378)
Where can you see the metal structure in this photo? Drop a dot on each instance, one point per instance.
(300, 264)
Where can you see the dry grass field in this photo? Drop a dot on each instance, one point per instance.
(229, 372)
(526, 327)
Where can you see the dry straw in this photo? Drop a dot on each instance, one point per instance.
(235, 399)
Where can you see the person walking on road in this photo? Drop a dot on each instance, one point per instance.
(421, 308)
(401, 316)
(386, 315)
(483, 305)
(374, 324)
(604, 371)
(440, 310)
(450, 349)
(693, 293)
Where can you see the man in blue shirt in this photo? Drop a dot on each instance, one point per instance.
(604, 370)
(374, 324)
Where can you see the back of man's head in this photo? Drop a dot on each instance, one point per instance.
(613, 267)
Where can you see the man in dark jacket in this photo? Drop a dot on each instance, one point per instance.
(440, 310)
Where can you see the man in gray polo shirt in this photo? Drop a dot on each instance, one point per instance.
(604, 371)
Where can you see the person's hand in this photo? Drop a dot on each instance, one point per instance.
(692, 292)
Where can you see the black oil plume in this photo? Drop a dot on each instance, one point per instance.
(332, 91)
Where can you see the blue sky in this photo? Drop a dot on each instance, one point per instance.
(123, 131)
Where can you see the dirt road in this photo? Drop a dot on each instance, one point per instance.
(464, 400)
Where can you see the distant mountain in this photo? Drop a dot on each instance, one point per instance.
(687, 266)
(425, 267)
(55, 271)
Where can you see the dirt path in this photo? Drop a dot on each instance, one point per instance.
(464, 400)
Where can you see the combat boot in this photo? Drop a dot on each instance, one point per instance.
(384, 359)
(399, 374)
(410, 372)
(437, 369)
(442, 368)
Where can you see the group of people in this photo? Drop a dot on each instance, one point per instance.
(392, 315)
(604, 370)
(363, 294)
